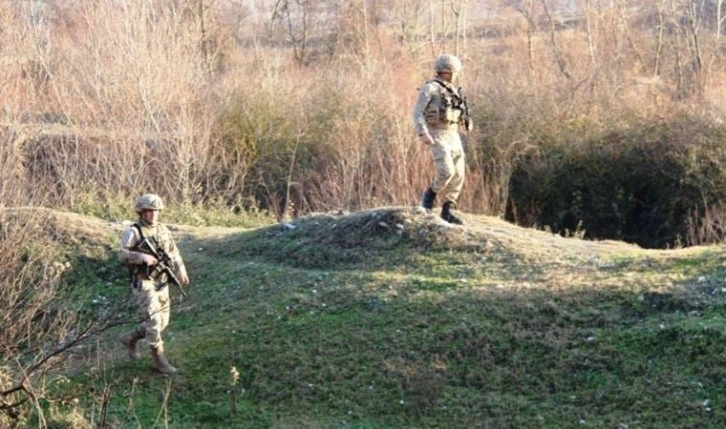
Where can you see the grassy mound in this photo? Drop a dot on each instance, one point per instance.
(391, 318)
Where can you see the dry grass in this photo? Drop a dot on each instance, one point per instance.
(140, 96)
(211, 103)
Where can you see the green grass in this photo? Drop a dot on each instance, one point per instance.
(369, 326)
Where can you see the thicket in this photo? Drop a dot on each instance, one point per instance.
(294, 107)
(43, 319)
(658, 184)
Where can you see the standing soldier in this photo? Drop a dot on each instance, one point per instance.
(439, 111)
(149, 286)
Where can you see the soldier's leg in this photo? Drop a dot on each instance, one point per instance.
(159, 321)
(444, 165)
(165, 308)
(159, 362)
(454, 169)
(456, 184)
(448, 215)
(131, 339)
(428, 199)
(152, 311)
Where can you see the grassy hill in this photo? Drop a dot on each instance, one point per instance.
(391, 318)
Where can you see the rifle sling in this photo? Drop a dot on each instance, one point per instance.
(448, 87)
(138, 228)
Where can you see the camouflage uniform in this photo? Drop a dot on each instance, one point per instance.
(438, 114)
(152, 299)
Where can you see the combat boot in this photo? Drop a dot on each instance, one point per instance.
(159, 361)
(131, 341)
(428, 198)
(448, 216)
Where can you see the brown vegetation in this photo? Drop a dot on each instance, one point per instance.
(42, 318)
(301, 106)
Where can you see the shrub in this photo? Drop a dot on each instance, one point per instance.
(653, 184)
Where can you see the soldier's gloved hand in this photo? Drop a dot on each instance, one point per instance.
(426, 139)
(148, 259)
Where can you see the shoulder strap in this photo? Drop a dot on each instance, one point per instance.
(138, 228)
(443, 84)
(449, 88)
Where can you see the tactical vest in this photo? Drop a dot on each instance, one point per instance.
(445, 108)
(161, 239)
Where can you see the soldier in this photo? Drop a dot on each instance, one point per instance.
(150, 291)
(439, 111)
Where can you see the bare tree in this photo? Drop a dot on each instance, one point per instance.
(693, 13)
(432, 26)
(527, 9)
(39, 325)
(298, 18)
(459, 9)
(554, 45)
(207, 43)
(685, 21)
(720, 18)
(622, 14)
(591, 44)
(660, 42)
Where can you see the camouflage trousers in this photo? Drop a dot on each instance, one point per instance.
(450, 163)
(155, 309)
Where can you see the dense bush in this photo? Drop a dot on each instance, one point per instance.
(654, 184)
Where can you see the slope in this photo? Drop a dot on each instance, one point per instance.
(393, 318)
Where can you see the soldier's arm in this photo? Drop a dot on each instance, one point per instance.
(425, 95)
(127, 255)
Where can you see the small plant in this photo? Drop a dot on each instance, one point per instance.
(234, 390)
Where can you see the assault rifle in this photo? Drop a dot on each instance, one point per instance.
(163, 264)
(465, 112)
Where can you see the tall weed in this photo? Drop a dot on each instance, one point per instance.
(211, 103)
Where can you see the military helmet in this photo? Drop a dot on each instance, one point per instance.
(447, 63)
(148, 202)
